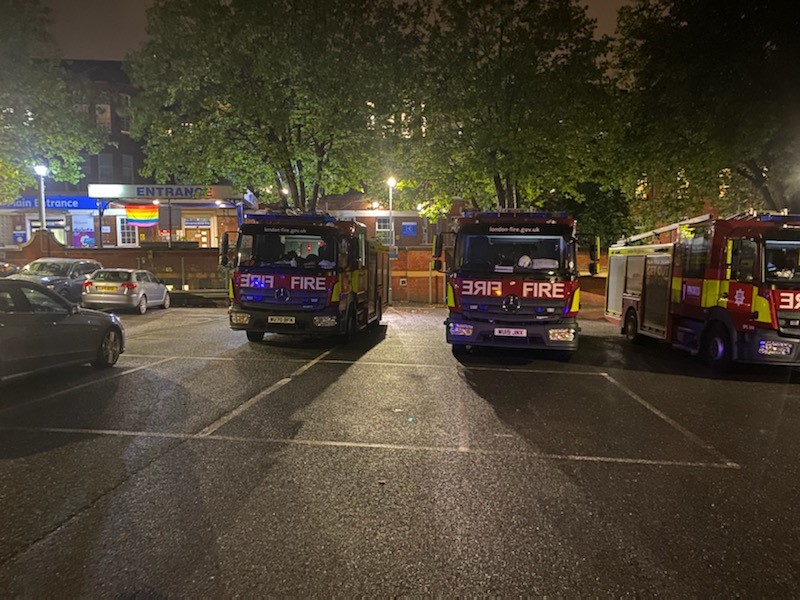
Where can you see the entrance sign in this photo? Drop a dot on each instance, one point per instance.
(160, 192)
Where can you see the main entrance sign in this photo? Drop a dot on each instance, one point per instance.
(161, 192)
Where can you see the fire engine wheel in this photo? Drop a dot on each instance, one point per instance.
(717, 348)
(255, 336)
(632, 328)
(379, 316)
(352, 326)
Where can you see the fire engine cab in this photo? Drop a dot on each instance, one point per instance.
(304, 274)
(513, 282)
(727, 289)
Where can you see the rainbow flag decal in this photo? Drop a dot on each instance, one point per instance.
(142, 216)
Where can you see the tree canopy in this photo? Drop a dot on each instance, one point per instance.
(514, 100)
(43, 116)
(267, 94)
(714, 104)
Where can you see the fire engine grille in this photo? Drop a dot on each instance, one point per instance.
(277, 300)
(501, 310)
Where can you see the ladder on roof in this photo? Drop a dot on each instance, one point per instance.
(667, 228)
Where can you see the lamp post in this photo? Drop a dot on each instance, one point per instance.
(41, 171)
(391, 182)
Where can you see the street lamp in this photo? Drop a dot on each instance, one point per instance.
(41, 171)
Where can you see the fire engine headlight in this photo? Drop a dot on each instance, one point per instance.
(460, 329)
(325, 321)
(771, 348)
(238, 318)
(561, 335)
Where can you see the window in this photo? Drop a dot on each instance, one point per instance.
(41, 302)
(6, 302)
(743, 264)
(105, 168)
(695, 254)
(127, 168)
(124, 113)
(383, 230)
(126, 234)
(103, 116)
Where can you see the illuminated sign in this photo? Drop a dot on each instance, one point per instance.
(160, 192)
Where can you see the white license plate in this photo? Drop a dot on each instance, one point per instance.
(284, 320)
(507, 332)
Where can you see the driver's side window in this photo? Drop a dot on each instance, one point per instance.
(41, 302)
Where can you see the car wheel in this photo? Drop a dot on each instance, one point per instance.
(255, 336)
(109, 350)
(166, 300)
(142, 306)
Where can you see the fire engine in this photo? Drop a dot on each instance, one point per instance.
(304, 274)
(513, 282)
(727, 289)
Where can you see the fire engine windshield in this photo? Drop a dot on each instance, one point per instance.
(538, 254)
(306, 251)
(782, 260)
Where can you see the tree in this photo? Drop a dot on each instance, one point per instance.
(714, 103)
(266, 94)
(41, 106)
(513, 102)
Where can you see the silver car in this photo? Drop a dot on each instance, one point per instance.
(124, 288)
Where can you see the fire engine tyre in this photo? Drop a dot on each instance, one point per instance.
(141, 308)
(717, 349)
(255, 336)
(376, 323)
(632, 328)
(352, 326)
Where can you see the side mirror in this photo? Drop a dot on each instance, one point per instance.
(593, 269)
(74, 309)
(437, 264)
(437, 247)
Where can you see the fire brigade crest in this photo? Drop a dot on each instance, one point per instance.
(738, 298)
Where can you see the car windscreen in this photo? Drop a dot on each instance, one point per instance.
(47, 268)
(119, 276)
(536, 254)
(287, 251)
(782, 259)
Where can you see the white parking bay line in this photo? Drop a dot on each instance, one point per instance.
(258, 397)
(83, 385)
(674, 424)
(378, 446)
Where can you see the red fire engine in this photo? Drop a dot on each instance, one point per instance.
(513, 282)
(304, 274)
(727, 289)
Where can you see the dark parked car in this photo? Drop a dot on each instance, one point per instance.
(65, 276)
(40, 330)
(7, 269)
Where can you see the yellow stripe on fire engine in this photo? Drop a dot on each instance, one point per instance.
(576, 301)
(710, 292)
(677, 284)
(336, 292)
(230, 288)
(451, 297)
(722, 299)
(761, 308)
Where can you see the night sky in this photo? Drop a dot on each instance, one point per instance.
(91, 29)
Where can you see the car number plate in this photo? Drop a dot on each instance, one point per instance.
(107, 288)
(284, 320)
(508, 332)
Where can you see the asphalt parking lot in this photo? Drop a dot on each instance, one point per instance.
(205, 464)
